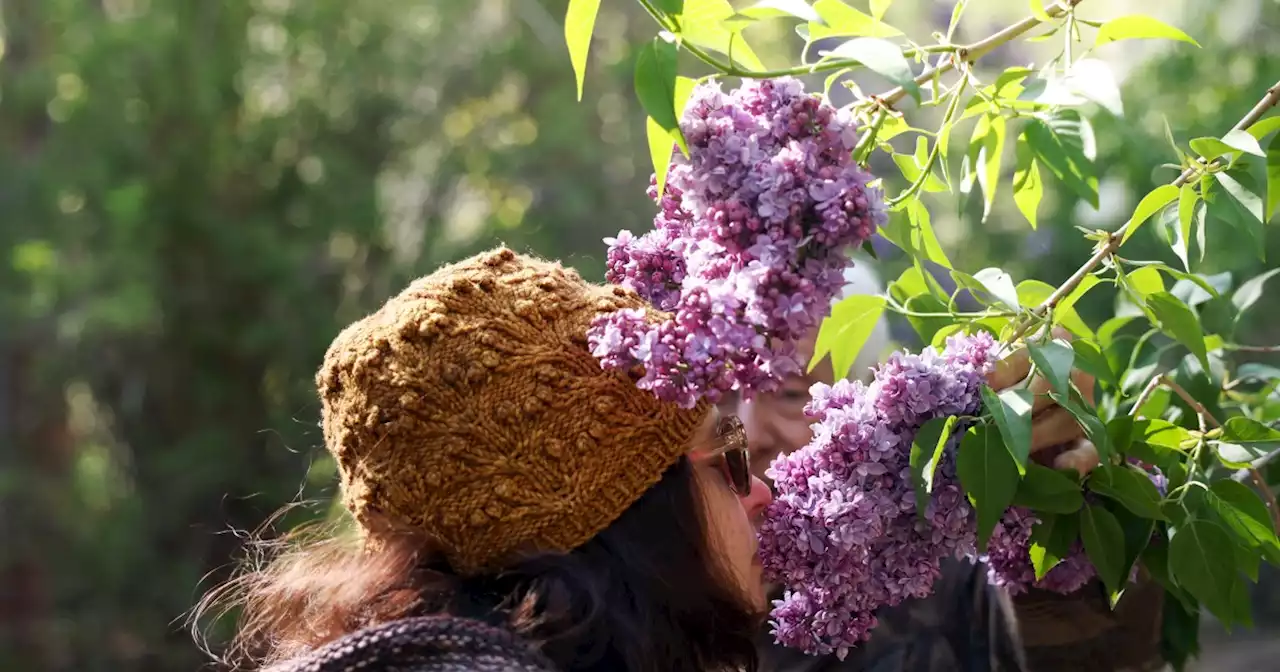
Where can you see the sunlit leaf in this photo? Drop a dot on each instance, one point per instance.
(1264, 128)
(1234, 141)
(1145, 281)
(1037, 10)
(1028, 189)
(926, 450)
(1150, 204)
(1000, 285)
(918, 216)
(879, 7)
(839, 19)
(1249, 201)
(767, 9)
(1093, 80)
(1136, 26)
(883, 58)
(1249, 292)
(988, 165)
(655, 81)
(661, 146)
(846, 330)
(1273, 177)
(702, 25)
(1064, 144)
(579, 23)
(989, 476)
(1187, 199)
(1053, 539)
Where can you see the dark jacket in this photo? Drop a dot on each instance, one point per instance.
(967, 625)
(425, 644)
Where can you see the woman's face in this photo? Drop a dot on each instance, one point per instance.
(731, 516)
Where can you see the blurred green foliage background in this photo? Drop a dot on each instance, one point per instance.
(195, 196)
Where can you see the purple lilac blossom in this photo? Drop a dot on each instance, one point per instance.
(748, 247)
(842, 534)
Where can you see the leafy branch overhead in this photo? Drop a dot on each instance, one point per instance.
(1179, 490)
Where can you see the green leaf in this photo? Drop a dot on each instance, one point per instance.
(988, 165)
(1104, 544)
(1089, 358)
(1045, 489)
(989, 475)
(926, 326)
(883, 58)
(1053, 360)
(656, 85)
(1052, 540)
(661, 146)
(1028, 189)
(911, 168)
(1063, 144)
(1249, 202)
(1180, 323)
(1264, 127)
(846, 330)
(1245, 514)
(1248, 430)
(672, 7)
(926, 450)
(1128, 487)
(1145, 281)
(879, 7)
(1231, 143)
(1161, 433)
(1187, 199)
(1249, 292)
(766, 9)
(1273, 177)
(1201, 560)
(1150, 204)
(918, 216)
(841, 19)
(1037, 10)
(579, 23)
(1011, 410)
(701, 25)
(1087, 418)
(999, 285)
(1093, 80)
(1138, 27)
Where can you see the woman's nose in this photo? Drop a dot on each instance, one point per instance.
(758, 499)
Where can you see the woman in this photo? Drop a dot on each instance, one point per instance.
(517, 507)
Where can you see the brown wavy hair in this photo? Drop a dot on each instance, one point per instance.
(646, 594)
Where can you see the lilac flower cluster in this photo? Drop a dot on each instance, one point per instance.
(1008, 556)
(748, 248)
(843, 534)
(1008, 559)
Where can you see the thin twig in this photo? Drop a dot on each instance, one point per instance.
(1147, 391)
(1206, 417)
(1113, 242)
(1251, 348)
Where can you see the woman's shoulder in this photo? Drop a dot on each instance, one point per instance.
(424, 644)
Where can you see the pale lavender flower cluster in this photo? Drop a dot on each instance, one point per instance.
(843, 534)
(748, 248)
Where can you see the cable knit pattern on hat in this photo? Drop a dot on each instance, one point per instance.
(469, 408)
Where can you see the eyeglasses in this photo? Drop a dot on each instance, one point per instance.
(731, 452)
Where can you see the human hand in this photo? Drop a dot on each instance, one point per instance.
(1057, 440)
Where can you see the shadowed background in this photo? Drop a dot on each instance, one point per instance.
(195, 196)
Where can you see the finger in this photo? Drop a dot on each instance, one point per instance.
(1054, 427)
(1010, 371)
(1040, 388)
(1083, 382)
(1083, 458)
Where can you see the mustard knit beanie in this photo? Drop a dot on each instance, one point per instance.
(470, 409)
